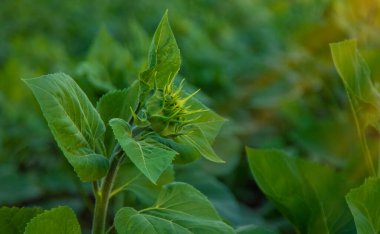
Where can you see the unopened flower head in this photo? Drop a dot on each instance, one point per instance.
(167, 110)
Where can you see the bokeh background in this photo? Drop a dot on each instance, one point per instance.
(263, 64)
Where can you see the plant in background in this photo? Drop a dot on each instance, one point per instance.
(131, 138)
(316, 198)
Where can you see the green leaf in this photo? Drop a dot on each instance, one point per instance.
(356, 78)
(186, 153)
(107, 62)
(253, 229)
(130, 178)
(311, 196)
(149, 156)
(228, 152)
(12, 181)
(364, 204)
(164, 57)
(117, 104)
(217, 192)
(179, 209)
(74, 123)
(96, 74)
(13, 220)
(202, 131)
(354, 71)
(207, 121)
(89, 167)
(363, 95)
(195, 137)
(57, 220)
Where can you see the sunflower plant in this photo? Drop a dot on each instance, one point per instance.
(128, 143)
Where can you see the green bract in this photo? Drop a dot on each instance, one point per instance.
(168, 111)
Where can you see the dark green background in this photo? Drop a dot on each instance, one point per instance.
(263, 64)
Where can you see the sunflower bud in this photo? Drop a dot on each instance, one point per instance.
(167, 110)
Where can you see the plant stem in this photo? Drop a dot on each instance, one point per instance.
(102, 197)
(95, 188)
(362, 138)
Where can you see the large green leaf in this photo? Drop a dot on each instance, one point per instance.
(179, 209)
(311, 196)
(60, 220)
(117, 104)
(130, 178)
(217, 192)
(164, 57)
(149, 156)
(74, 123)
(13, 220)
(364, 204)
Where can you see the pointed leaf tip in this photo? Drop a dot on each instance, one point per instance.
(74, 122)
(164, 56)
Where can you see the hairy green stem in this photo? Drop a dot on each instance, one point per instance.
(102, 197)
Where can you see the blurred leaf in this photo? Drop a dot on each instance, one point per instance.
(96, 74)
(13, 220)
(253, 229)
(363, 96)
(179, 209)
(57, 220)
(149, 156)
(117, 104)
(73, 121)
(12, 182)
(311, 196)
(356, 78)
(164, 57)
(364, 206)
(107, 63)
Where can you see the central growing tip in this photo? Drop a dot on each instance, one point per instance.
(167, 110)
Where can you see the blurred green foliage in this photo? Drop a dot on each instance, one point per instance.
(263, 64)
